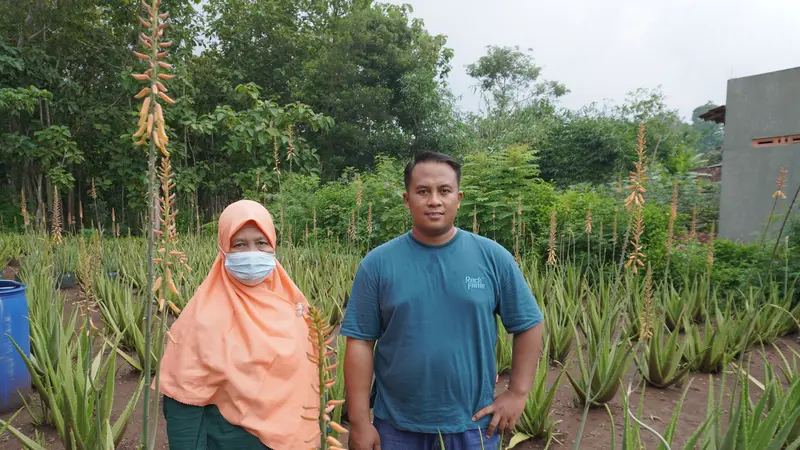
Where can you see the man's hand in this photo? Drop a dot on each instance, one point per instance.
(364, 436)
(358, 365)
(505, 410)
(508, 406)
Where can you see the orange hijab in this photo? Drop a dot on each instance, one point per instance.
(243, 348)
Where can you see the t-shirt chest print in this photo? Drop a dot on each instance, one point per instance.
(475, 283)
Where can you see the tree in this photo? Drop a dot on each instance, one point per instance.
(518, 105)
(508, 80)
(380, 76)
(711, 134)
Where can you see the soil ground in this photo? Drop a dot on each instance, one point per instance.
(658, 407)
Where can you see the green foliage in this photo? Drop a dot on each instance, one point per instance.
(535, 421)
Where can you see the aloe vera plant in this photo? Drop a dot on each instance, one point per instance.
(632, 424)
(124, 316)
(535, 421)
(773, 388)
(81, 398)
(661, 363)
(559, 323)
(760, 310)
(673, 306)
(504, 349)
(696, 295)
(611, 359)
(766, 424)
(707, 351)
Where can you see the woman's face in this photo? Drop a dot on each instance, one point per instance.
(250, 239)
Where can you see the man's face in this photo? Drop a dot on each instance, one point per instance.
(433, 197)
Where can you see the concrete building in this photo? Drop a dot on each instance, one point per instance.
(762, 135)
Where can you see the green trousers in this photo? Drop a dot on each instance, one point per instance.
(203, 428)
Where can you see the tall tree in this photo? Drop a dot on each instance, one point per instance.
(711, 134)
(380, 75)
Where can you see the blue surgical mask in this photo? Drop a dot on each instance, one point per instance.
(250, 268)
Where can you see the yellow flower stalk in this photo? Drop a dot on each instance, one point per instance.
(636, 200)
(24, 208)
(369, 220)
(151, 129)
(673, 214)
(589, 220)
(710, 256)
(56, 228)
(475, 219)
(647, 316)
(636, 257)
(359, 192)
(322, 338)
(777, 195)
(637, 178)
(551, 251)
(781, 182)
(290, 143)
(275, 155)
(614, 230)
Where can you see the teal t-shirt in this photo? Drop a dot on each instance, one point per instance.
(433, 312)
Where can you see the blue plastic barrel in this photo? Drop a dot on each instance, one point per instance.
(15, 380)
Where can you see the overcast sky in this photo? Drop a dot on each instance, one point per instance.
(602, 49)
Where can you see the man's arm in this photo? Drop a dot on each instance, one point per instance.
(521, 317)
(358, 365)
(525, 359)
(362, 327)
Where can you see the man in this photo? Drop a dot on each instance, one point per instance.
(429, 299)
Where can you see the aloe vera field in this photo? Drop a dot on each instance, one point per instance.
(129, 126)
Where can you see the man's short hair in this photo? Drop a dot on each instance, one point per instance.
(429, 156)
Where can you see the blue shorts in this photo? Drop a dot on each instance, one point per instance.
(394, 439)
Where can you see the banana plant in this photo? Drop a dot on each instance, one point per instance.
(535, 421)
(661, 363)
(611, 359)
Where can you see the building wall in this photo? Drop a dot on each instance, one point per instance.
(760, 106)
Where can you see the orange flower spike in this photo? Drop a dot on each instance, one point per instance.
(166, 98)
(338, 428)
(332, 440)
(143, 93)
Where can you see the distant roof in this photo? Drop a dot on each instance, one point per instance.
(714, 115)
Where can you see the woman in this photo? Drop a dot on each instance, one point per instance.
(237, 375)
